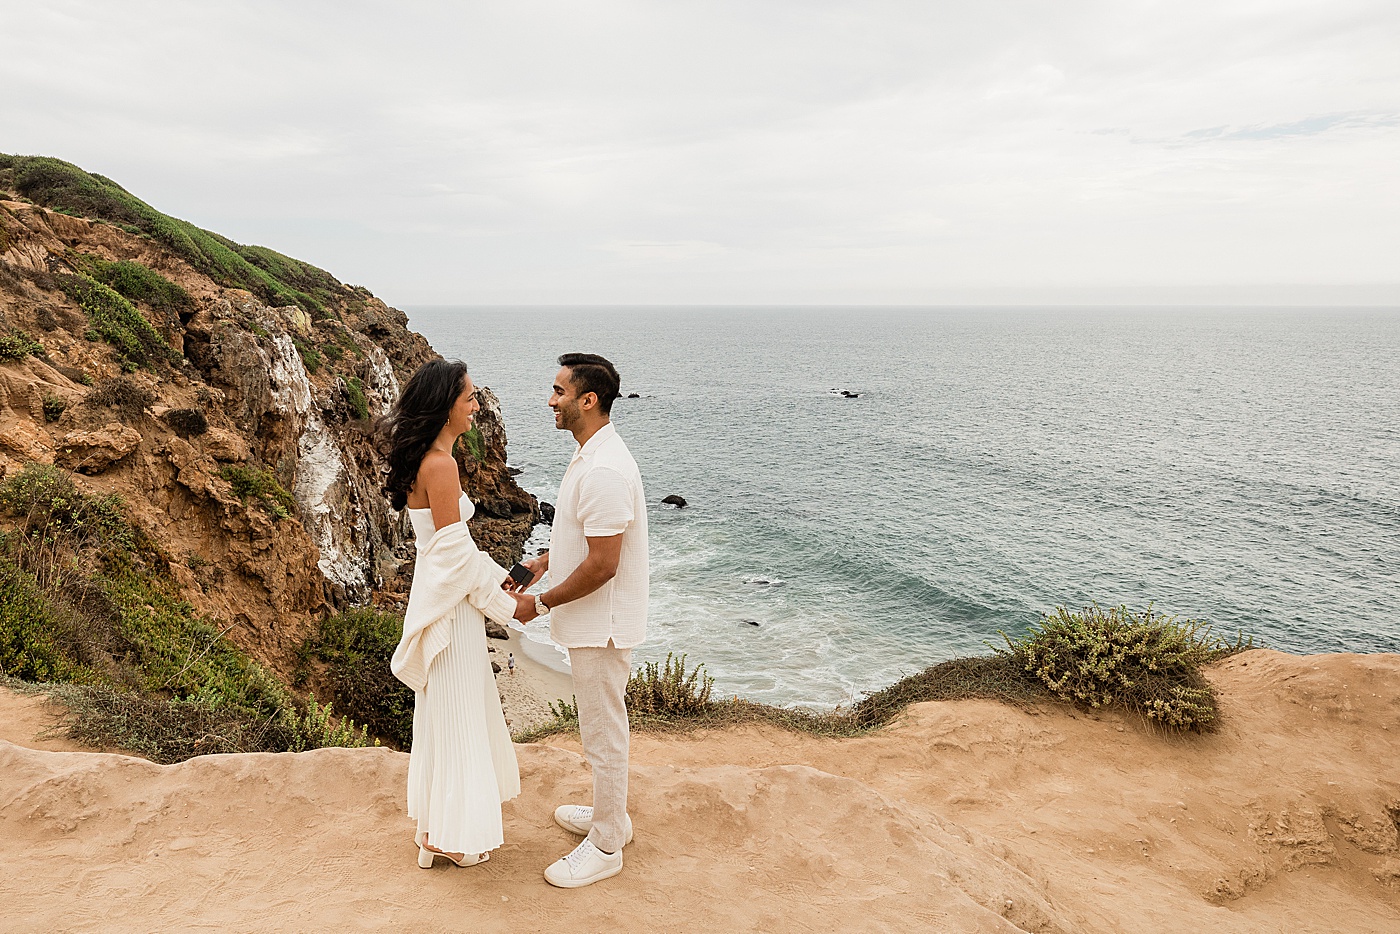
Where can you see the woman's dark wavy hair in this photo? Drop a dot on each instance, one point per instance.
(416, 420)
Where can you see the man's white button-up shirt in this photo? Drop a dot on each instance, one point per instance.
(601, 495)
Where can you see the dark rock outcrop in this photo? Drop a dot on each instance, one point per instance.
(674, 500)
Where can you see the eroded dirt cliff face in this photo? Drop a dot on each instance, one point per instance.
(246, 451)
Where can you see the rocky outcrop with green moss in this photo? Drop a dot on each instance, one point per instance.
(225, 394)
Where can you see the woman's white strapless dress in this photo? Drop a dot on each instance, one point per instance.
(462, 766)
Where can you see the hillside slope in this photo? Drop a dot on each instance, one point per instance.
(225, 393)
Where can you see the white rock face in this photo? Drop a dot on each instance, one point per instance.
(291, 387)
(381, 387)
(326, 500)
(328, 508)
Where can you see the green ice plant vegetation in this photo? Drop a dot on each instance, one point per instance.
(88, 606)
(133, 281)
(355, 391)
(119, 323)
(274, 278)
(309, 355)
(475, 443)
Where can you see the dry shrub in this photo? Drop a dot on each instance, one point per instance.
(187, 423)
(126, 395)
(166, 731)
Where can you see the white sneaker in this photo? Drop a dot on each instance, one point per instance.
(584, 866)
(578, 818)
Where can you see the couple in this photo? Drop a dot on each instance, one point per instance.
(462, 766)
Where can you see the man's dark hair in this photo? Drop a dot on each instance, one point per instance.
(592, 373)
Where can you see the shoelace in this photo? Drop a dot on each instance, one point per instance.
(583, 812)
(580, 853)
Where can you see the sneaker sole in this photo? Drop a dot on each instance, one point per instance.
(580, 883)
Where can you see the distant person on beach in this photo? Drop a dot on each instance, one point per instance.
(462, 766)
(598, 607)
(510, 664)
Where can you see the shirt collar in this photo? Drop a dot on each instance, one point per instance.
(595, 442)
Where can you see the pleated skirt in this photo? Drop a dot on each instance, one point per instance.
(462, 765)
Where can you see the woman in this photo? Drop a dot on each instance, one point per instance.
(462, 766)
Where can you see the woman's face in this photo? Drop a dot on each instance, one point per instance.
(464, 409)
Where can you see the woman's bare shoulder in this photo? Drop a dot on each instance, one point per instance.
(437, 476)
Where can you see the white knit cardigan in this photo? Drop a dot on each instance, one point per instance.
(450, 569)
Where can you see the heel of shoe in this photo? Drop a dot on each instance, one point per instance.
(425, 858)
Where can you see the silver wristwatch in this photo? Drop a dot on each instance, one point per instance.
(540, 608)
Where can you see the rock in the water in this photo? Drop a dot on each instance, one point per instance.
(634, 395)
(751, 622)
(495, 630)
(674, 500)
(546, 512)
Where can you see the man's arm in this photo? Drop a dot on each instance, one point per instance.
(599, 567)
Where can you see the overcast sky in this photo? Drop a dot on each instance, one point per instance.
(749, 152)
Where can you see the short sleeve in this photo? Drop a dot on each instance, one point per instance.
(604, 503)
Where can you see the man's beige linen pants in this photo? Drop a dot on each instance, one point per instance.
(600, 689)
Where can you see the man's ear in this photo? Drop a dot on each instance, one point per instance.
(588, 400)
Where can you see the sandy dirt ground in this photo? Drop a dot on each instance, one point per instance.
(963, 816)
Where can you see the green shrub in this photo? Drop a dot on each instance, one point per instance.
(666, 690)
(355, 390)
(54, 407)
(309, 354)
(133, 281)
(256, 483)
(475, 443)
(52, 510)
(123, 393)
(332, 352)
(187, 423)
(16, 345)
(1144, 662)
(86, 597)
(118, 322)
(356, 647)
(28, 646)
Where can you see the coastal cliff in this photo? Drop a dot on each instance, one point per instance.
(227, 395)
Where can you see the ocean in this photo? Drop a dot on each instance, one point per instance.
(1238, 466)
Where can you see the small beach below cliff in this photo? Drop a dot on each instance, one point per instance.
(536, 684)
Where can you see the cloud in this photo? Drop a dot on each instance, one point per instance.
(647, 152)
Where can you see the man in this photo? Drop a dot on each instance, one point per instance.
(598, 609)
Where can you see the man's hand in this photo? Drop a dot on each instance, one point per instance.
(524, 607)
(539, 565)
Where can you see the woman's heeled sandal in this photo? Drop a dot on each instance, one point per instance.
(425, 858)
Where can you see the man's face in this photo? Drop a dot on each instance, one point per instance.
(564, 401)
